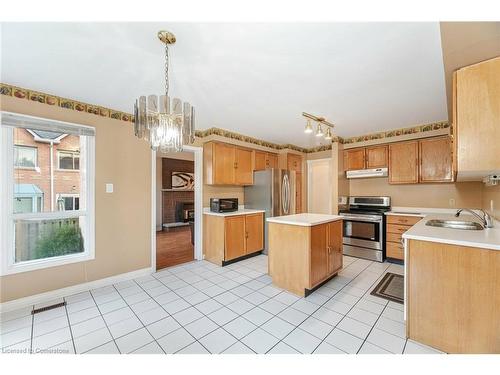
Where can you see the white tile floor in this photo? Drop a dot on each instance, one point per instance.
(202, 308)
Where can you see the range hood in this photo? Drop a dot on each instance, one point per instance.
(364, 173)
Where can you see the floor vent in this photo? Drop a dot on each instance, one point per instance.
(42, 309)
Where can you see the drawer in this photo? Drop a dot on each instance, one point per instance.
(394, 237)
(404, 220)
(394, 250)
(397, 228)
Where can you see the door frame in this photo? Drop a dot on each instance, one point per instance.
(309, 181)
(198, 204)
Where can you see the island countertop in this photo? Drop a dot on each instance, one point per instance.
(488, 238)
(304, 220)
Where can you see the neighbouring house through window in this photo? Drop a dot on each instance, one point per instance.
(25, 156)
(69, 160)
(47, 193)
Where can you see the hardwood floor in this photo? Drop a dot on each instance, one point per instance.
(173, 247)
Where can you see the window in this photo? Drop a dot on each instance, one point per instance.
(25, 157)
(69, 160)
(35, 235)
(68, 202)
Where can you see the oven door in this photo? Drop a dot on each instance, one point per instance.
(363, 230)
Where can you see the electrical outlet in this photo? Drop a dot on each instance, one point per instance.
(109, 188)
(451, 202)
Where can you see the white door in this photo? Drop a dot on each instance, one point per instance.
(319, 186)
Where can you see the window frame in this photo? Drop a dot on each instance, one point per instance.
(7, 217)
(67, 195)
(35, 167)
(73, 153)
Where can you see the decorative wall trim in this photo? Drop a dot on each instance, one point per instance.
(78, 288)
(41, 97)
(58, 101)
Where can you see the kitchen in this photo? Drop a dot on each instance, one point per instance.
(305, 249)
(353, 209)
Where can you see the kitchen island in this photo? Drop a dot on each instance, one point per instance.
(305, 251)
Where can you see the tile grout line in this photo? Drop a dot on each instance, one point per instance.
(106, 324)
(319, 307)
(69, 324)
(143, 325)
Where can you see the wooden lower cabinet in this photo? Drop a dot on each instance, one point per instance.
(452, 297)
(226, 238)
(396, 226)
(302, 257)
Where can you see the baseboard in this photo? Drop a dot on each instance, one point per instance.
(63, 292)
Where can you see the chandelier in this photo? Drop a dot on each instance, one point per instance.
(165, 124)
(319, 129)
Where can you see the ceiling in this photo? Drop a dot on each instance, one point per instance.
(254, 79)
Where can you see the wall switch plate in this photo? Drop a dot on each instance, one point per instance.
(109, 188)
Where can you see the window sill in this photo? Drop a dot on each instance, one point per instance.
(39, 264)
(67, 170)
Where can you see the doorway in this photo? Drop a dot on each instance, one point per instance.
(319, 186)
(177, 207)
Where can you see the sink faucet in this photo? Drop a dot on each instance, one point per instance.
(486, 220)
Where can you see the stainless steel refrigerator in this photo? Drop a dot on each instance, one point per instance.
(273, 190)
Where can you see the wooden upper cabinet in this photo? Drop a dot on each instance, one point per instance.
(272, 160)
(260, 160)
(254, 232)
(403, 163)
(477, 123)
(435, 160)
(334, 246)
(319, 254)
(354, 159)
(265, 160)
(376, 157)
(243, 174)
(225, 164)
(294, 162)
(234, 237)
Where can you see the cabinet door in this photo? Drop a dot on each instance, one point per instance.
(354, 159)
(376, 157)
(223, 164)
(334, 247)
(243, 166)
(319, 254)
(298, 192)
(294, 163)
(435, 160)
(272, 161)
(234, 237)
(260, 161)
(478, 118)
(254, 228)
(403, 163)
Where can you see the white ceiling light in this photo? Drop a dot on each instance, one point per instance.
(166, 125)
(319, 130)
(308, 128)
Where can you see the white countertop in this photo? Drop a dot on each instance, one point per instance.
(241, 211)
(305, 220)
(488, 238)
(419, 211)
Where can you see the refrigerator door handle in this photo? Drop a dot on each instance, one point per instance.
(285, 194)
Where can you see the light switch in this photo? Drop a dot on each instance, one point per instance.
(109, 188)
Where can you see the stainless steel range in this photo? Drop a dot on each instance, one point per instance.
(364, 227)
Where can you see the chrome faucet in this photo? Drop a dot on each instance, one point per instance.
(486, 220)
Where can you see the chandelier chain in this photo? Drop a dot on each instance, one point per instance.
(167, 85)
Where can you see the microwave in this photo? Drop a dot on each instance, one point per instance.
(223, 204)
